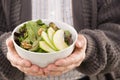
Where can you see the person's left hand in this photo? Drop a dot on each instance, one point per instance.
(74, 60)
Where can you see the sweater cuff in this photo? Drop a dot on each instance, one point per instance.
(90, 46)
(3, 46)
(1, 33)
(90, 65)
(7, 71)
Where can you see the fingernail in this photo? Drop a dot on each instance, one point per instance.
(79, 43)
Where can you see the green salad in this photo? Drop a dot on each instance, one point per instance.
(37, 36)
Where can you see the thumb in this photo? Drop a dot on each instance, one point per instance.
(80, 41)
(13, 56)
(9, 44)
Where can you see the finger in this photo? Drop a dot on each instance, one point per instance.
(58, 73)
(73, 58)
(16, 60)
(53, 67)
(32, 69)
(34, 74)
(13, 64)
(78, 44)
(70, 67)
(25, 63)
(9, 44)
(39, 73)
(14, 57)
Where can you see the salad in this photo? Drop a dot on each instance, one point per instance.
(37, 36)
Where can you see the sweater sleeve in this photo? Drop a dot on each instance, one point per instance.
(7, 71)
(1, 32)
(103, 43)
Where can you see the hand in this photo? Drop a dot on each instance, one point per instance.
(74, 60)
(20, 63)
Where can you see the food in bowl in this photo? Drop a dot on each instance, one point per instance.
(41, 57)
(37, 36)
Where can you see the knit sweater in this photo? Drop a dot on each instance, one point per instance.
(98, 21)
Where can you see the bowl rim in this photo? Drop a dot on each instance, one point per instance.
(18, 26)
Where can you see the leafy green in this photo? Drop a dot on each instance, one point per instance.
(32, 29)
(39, 22)
(29, 35)
(35, 46)
(67, 37)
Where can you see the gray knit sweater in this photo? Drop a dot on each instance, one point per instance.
(97, 20)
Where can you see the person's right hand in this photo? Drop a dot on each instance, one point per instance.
(20, 63)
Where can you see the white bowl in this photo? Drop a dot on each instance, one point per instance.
(43, 59)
